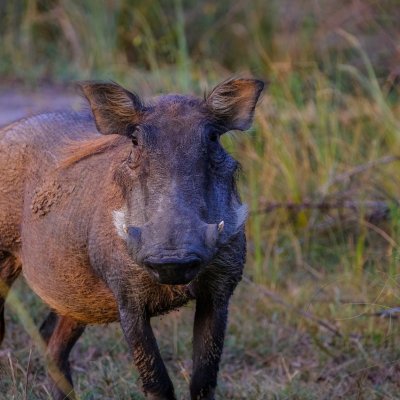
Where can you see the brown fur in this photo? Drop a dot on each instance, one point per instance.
(77, 150)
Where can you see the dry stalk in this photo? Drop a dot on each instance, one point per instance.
(377, 206)
(380, 208)
(305, 314)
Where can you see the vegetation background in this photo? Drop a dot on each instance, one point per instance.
(315, 317)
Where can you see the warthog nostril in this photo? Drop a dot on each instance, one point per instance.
(134, 232)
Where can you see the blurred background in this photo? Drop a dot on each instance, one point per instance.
(315, 316)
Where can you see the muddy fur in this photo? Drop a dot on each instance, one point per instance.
(64, 178)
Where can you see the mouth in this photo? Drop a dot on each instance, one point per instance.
(173, 271)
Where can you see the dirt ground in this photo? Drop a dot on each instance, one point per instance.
(16, 102)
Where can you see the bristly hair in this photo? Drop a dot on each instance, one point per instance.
(77, 150)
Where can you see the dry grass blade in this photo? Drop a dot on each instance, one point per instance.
(378, 206)
(27, 375)
(364, 167)
(392, 313)
(305, 314)
(12, 374)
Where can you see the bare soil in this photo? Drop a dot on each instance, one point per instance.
(17, 102)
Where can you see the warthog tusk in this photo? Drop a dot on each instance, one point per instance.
(221, 226)
(125, 228)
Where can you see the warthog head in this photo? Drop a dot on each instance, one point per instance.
(179, 182)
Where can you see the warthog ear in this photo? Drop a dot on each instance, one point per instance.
(115, 109)
(233, 102)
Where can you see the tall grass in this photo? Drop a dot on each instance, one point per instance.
(66, 39)
(308, 134)
(327, 131)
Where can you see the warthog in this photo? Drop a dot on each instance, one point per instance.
(123, 212)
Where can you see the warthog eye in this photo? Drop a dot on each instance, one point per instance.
(135, 141)
(214, 136)
(132, 133)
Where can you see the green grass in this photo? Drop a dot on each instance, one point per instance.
(323, 133)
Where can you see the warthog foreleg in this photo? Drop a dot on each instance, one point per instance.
(208, 340)
(140, 337)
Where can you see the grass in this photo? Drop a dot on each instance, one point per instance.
(336, 265)
(327, 130)
(270, 353)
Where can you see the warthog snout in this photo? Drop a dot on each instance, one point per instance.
(179, 258)
(174, 270)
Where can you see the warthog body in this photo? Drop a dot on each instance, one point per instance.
(123, 213)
